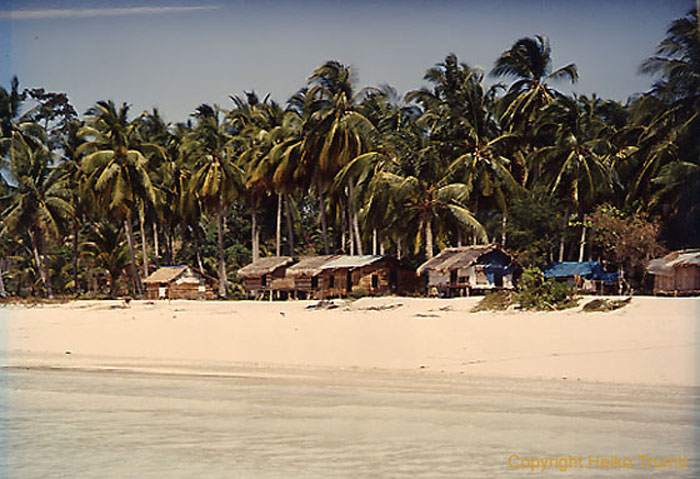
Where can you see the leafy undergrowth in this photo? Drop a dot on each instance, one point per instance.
(534, 293)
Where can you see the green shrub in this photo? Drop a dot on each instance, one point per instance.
(536, 293)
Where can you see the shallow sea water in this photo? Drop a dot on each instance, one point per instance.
(118, 424)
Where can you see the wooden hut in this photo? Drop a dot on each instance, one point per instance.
(259, 275)
(306, 278)
(375, 274)
(458, 271)
(179, 282)
(677, 273)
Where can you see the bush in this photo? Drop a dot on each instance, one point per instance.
(357, 292)
(536, 293)
(494, 301)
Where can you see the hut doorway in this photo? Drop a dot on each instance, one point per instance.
(348, 282)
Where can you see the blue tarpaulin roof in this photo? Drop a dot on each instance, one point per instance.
(585, 269)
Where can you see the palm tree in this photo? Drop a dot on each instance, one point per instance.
(117, 168)
(71, 171)
(578, 156)
(106, 247)
(38, 199)
(216, 180)
(529, 61)
(337, 132)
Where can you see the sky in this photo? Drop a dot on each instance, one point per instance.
(177, 54)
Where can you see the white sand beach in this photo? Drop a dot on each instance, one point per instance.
(651, 341)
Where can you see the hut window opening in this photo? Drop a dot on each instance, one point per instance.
(331, 282)
(263, 280)
(375, 281)
(314, 282)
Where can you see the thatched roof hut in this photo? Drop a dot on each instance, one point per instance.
(466, 268)
(676, 273)
(179, 282)
(259, 275)
(374, 274)
(265, 265)
(310, 266)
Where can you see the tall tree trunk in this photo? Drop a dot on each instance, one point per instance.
(344, 228)
(352, 235)
(561, 241)
(278, 238)
(156, 245)
(428, 239)
(358, 238)
(39, 263)
(222, 259)
(195, 237)
(3, 293)
(374, 241)
(134, 269)
(355, 221)
(290, 225)
(254, 232)
(398, 248)
(504, 222)
(582, 244)
(324, 225)
(144, 249)
(76, 287)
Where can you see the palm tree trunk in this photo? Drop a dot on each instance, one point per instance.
(156, 246)
(76, 286)
(324, 225)
(582, 244)
(134, 269)
(374, 241)
(352, 235)
(144, 249)
(428, 239)
(355, 221)
(290, 224)
(356, 228)
(344, 229)
(39, 263)
(504, 221)
(254, 232)
(3, 293)
(195, 237)
(278, 238)
(561, 241)
(398, 248)
(222, 259)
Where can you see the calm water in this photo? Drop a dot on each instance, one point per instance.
(81, 424)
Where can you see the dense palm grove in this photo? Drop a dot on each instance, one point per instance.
(91, 204)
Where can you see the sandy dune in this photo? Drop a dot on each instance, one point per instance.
(651, 341)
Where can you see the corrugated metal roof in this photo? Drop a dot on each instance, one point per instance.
(264, 266)
(351, 262)
(456, 258)
(310, 265)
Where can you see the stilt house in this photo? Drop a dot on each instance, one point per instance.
(462, 270)
(677, 273)
(259, 275)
